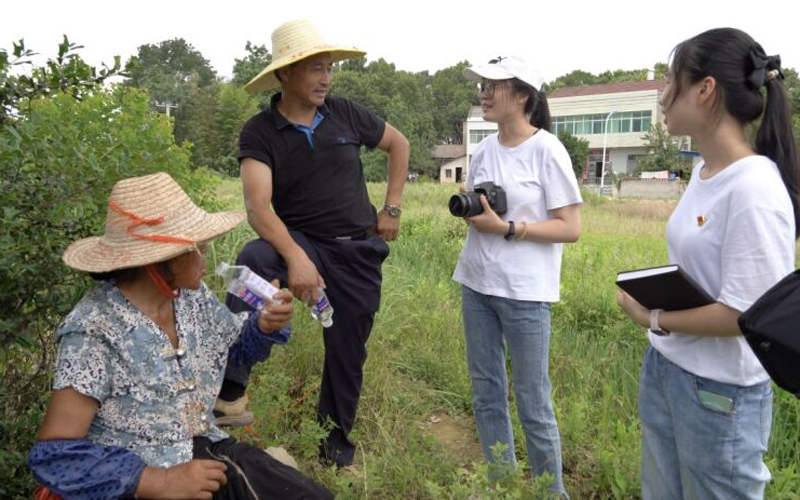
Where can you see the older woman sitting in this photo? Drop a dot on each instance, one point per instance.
(140, 362)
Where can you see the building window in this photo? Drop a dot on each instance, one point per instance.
(448, 174)
(477, 135)
(620, 123)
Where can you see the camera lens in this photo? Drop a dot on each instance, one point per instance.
(465, 205)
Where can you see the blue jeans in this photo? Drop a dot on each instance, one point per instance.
(701, 439)
(490, 323)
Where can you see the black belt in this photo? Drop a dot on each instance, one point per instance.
(359, 236)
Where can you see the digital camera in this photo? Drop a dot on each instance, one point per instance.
(469, 204)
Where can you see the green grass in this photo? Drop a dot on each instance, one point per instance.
(416, 370)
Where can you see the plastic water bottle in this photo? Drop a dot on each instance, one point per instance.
(322, 310)
(247, 285)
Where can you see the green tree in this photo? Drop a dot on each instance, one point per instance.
(578, 150)
(400, 97)
(245, 69)
(575, 78)
(235, 107)
(578, 78)
(452, 98)
(663, 151)
(169, 70)
(66, 73)
(164, 66)
(661, 69)
(215, 115)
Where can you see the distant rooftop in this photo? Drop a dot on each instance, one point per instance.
(448, 151)
(475, 112)
(607, 88)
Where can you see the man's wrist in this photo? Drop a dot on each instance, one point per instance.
(392, 209)
(295, 254)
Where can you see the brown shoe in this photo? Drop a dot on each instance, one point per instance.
(233, 413)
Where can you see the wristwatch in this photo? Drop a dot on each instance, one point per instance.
(654, 323)
(510, 234)
(392, 210)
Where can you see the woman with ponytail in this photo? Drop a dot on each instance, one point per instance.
(705, 401)
(510, 265)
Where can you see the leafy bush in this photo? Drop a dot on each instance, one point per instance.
(58, 163)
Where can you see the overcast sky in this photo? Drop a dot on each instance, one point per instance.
(557, 36)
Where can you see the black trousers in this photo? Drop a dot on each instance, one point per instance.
(266, 477)
(352, 273)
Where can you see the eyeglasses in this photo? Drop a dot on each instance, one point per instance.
(487, 88)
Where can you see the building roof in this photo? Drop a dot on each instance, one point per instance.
(475, 112)
(447, 151)
(607, 88)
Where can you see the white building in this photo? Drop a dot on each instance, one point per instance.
(583, 111)
(452, 161)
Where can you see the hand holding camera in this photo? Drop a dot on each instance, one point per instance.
(482, 208)
(469, 204)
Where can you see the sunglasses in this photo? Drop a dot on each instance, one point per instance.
(487, 88)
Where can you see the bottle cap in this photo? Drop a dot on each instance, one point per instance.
(221, 269)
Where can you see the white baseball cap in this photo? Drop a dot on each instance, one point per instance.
(504, 68)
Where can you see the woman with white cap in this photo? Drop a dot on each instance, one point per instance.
(140, 361)
(510, 265)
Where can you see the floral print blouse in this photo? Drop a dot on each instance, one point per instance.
(153, 398)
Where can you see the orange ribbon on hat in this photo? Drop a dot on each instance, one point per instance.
(141, 221)
(152, 270)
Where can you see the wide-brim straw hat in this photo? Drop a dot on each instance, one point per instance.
(294, 41)
(149, 219)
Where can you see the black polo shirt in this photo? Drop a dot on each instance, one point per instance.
(317, 189)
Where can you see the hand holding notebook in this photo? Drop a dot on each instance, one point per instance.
(665, 287)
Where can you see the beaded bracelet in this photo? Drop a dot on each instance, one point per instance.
(521, 235)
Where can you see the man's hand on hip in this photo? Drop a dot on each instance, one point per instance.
(388, 227)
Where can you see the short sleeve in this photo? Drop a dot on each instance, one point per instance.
(757, 251)
(253, 143)
(369, 126)
(559, 182)
(83, 362)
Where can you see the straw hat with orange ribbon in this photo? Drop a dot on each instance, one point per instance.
(294, 41)
(149, 219)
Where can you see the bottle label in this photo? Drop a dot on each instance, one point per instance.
(250, 298)
(322, 304)
(259, 285)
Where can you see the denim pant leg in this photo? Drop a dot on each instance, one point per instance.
(526, 328)
(661, 477)
(486, 360)
(721, 433)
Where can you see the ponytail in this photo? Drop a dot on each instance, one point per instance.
(540, 115)
(536, 106)
(776, 140)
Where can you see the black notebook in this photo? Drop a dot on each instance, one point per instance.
(667, 287)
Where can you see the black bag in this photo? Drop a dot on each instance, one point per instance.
(772, 328)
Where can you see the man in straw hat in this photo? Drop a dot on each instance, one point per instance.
(140, 362)
(302, 156)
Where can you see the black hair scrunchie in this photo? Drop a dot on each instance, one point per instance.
(762, 63)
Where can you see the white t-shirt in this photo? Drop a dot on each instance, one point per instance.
(734, 234)
(537, 177)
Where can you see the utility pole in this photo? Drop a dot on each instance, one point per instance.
(166, 106)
